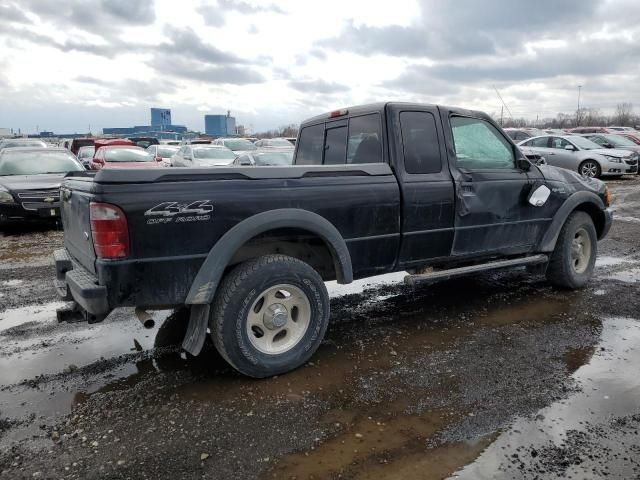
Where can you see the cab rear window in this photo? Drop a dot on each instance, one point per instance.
(360, 141)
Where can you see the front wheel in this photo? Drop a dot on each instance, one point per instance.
(574, 256)
(590, 168)
(270, 315)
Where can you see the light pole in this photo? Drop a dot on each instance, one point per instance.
(578, 111)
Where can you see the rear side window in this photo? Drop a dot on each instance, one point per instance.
(479, 145)
(310, 145)
(335, 146)
(365, 139)
(420, 142)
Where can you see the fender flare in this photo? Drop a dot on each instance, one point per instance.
(205, 284)
(548, 242)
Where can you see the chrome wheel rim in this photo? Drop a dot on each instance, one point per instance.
(589, 169)
(580, 250)
(278, 319)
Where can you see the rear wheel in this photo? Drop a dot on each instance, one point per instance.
(590, 168)
(270, 315)
(574, 257)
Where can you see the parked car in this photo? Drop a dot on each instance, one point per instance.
(21, 142)
(428, 186)
(164, 152)
(202, 156)
(581, 155)
(519, 134)
(236, 145)
(123, 156)
(622, 129)
(610, 140)
(85, 154)
(30, 183)
(635, 138)
(263, 158)
(144, 142)
(280, 143)
(76, 143)
(589, 130)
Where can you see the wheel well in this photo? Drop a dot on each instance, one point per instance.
(596, 215)
(293, 242)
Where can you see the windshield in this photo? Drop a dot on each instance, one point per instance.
(36, 163)
(213, 153)
(86, 152)
(22, 143)
(583, 143)
(278, 142)
(618, 141)
(127, 155)
(276, 158)
(239, 144)
(166, 152)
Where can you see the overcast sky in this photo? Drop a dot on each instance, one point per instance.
(68, 64)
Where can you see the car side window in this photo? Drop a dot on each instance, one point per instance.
(479, 145)
(559, 143)
(365, 139)
(335, 146)
(420, 142)
(310, 146)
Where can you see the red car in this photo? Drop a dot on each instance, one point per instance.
(124, 155)
(631, 136)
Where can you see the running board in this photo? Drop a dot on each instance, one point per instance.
(461, 271)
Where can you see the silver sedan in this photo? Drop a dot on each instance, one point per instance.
(581, 155)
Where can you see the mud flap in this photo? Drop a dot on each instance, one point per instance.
(197, 329)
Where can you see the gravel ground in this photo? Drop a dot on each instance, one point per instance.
(496, 376)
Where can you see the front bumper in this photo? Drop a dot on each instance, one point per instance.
(608, 220)
(16, 213)
(73, 282)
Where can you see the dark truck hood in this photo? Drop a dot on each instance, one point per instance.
(562, 175)
(32, 182)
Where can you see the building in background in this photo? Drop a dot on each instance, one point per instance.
(173, 132)
(220, 125)
(160, 118)
(6, 132)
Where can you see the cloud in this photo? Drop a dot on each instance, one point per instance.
(317, 86)
(180, 67)
(186, 43)
(214, 15)
(12, 13)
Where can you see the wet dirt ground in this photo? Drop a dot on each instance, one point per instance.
(495, 376)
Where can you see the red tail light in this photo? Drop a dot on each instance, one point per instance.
(109, 231)
(338, 113)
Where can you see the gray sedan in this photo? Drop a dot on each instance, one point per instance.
(261, 158)
(581, 155)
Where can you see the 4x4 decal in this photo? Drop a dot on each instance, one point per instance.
(167, 212)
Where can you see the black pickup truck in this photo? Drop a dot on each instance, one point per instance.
(436, 191)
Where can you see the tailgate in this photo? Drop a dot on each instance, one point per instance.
(74, 209)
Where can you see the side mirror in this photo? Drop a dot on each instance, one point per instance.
(186, 157)
(539, 195)
(570, 148)
(158, 158)
(607, 145)
(245, 163)
(524, 164)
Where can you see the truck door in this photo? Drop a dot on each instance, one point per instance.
(492, 212)
(426, 185)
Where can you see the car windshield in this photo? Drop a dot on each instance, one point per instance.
(278, 142)
(213, 153)
(37, 163)
(23, 143)
(127, 155)
(618, 141)
(583, 143)
(166, 152)
(86, 152)
(239, 145)
(275, 158)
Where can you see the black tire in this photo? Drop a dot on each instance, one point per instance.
(238, 293)
(595, 167)
(564, 270)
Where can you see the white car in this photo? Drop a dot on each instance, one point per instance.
(202, 156)
(237, 145)
(581, 155)
(165, 152)
(279, 143)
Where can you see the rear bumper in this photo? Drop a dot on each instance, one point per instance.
(73, 282)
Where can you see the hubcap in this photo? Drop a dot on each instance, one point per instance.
(580, 250)
(278, 319)
(589, 169)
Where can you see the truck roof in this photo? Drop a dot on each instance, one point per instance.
(380, 107)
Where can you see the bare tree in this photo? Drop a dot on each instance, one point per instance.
(624, 114)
